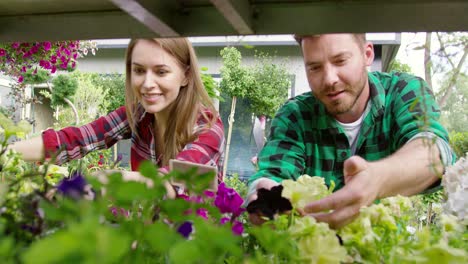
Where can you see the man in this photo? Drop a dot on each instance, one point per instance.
(374, 134)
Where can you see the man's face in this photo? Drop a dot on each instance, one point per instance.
(336, 70)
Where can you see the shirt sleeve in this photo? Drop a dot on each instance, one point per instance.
(283, 156)
(75, 142)
(415, 111)
(207, 148)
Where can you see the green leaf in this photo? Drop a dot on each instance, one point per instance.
(148, 169)
(161, 237)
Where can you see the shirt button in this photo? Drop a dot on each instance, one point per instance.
(343, 154)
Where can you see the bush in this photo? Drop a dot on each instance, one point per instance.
(459, 143)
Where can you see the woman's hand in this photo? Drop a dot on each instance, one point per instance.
(134, 176)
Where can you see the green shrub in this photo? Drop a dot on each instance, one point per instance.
(459, 143)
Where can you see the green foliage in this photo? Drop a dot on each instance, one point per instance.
(36, 76)
(271, 85)
(236, 80)
(211, 86)
(264, 85)
(64, 88)
(454, 114)
(238, 185)
(113, 86)
(90, 99)
(398, 66)
(459, 143)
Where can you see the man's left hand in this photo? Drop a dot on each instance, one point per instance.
(362, 187)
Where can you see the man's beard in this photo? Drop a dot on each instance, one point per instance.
(343, 106)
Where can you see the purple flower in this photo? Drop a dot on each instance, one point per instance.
(203, 213)
(53, 59)
(185, 229)
(73, 187)
(228, 200)
(224, 220)
(23, 69)
(114, 210)
(54, 69)
(34, 49)
(237, 228)
(20, 79)
(2, 52)
(47, 45)
(15, 45)
(209, 194)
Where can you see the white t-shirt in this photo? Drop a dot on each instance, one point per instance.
(352, 129)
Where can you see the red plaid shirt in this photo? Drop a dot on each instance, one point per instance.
(76, 142)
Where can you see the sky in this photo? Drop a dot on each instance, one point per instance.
(415, 58)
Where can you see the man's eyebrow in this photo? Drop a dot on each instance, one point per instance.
(341, 54)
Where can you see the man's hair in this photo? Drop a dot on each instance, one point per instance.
(359, 37)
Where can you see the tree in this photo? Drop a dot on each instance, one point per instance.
(235, 82)
(448, 58)
(264, 85)
(399, 66)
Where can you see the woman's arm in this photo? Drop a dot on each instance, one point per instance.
(31, 149)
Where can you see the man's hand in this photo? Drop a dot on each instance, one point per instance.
(362, 187)
(258, 218)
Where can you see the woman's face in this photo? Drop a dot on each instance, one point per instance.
(156, 76)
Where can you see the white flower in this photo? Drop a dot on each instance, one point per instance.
(305, 190)
(455, 182)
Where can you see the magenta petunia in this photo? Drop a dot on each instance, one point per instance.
(20, 79)
(34, 49)
(53, 59)
(46, 45)
(2, 52)
(15, 45)
(203, 213)
(228, 200)
(54, 69)
(224, 220)
(237, 228)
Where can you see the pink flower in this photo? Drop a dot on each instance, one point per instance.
(34, 49)
(21, 79)
(15, 45)
(53, 59)
(228, 200)
(254, 160)
(203, 213)
(224, 220)
(237, 228)
(54, 69)
(47, 45)
(2, 52)
(23, 69)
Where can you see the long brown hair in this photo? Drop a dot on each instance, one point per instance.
(190, 103)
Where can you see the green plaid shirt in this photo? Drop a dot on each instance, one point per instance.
(304, 139)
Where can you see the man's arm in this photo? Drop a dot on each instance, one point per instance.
(410, 170)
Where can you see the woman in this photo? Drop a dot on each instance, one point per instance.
(167, 114)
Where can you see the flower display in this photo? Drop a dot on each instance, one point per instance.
(305, 190)
(455, 182)
(270, 203)
(17, 58)
(73, 187)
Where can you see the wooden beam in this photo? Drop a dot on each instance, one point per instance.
(70, 26)
(361, 16)
(147, 18)
(238, 14)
